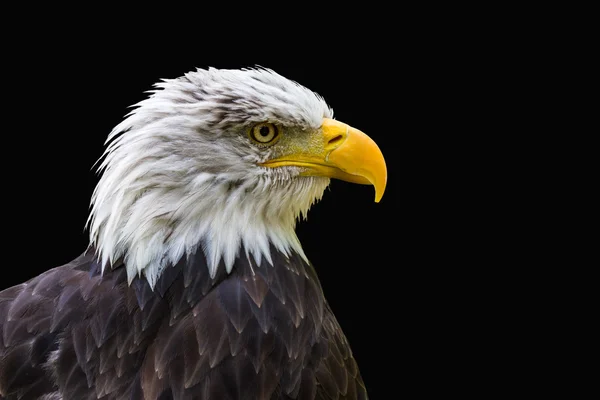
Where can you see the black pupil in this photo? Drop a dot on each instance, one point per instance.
(264, 130)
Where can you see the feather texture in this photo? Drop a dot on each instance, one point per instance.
(180, 172)
(261, 332)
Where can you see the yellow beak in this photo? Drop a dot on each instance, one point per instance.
(340, 152)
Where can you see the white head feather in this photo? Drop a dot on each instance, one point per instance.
(180, 172)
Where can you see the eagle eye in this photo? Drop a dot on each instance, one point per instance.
(264, 133)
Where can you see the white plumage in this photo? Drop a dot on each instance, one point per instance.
(168, 185)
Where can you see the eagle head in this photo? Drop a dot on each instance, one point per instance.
(225, 160)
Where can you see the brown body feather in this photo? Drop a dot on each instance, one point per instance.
(259, 333)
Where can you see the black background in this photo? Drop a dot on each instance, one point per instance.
(412, 280)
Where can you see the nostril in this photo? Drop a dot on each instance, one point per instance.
(335, 140)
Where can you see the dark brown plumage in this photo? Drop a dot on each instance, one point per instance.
(78, 335)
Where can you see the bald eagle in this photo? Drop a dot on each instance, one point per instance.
(195, 285)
